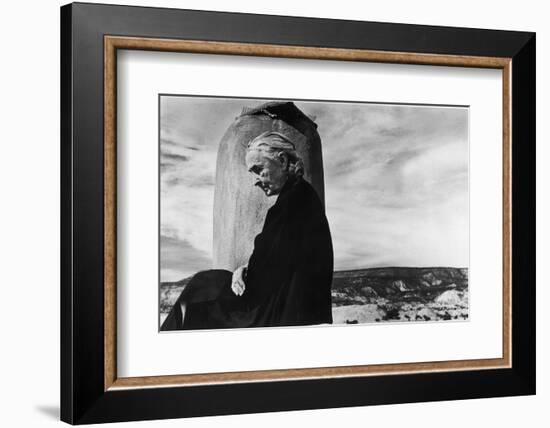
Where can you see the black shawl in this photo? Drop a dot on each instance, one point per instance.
(289, 274)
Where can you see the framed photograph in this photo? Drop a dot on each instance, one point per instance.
(266, 213)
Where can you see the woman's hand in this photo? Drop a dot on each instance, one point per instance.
(237, 282)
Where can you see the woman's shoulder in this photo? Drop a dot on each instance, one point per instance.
(304, 190)
(302, 199)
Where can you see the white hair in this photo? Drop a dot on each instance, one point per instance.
(273, 144)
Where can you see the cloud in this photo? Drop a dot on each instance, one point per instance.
(187, 201)
(179, 259)
(174, 157)
(396, 178)
(396, 184)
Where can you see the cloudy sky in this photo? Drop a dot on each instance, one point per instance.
(396, 181)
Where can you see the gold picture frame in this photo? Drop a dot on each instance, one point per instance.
(113, 43)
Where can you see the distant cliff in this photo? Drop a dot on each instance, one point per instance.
(403, 283)
(382, 294)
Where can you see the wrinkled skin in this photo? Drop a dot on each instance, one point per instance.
(237, 282)
(270, 173)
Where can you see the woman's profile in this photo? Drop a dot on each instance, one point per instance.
(287, 280)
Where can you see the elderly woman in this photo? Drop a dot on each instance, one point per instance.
(288, 277)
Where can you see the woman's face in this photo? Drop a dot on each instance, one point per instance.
(270, 173)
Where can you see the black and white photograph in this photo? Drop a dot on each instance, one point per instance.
(277, 212)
